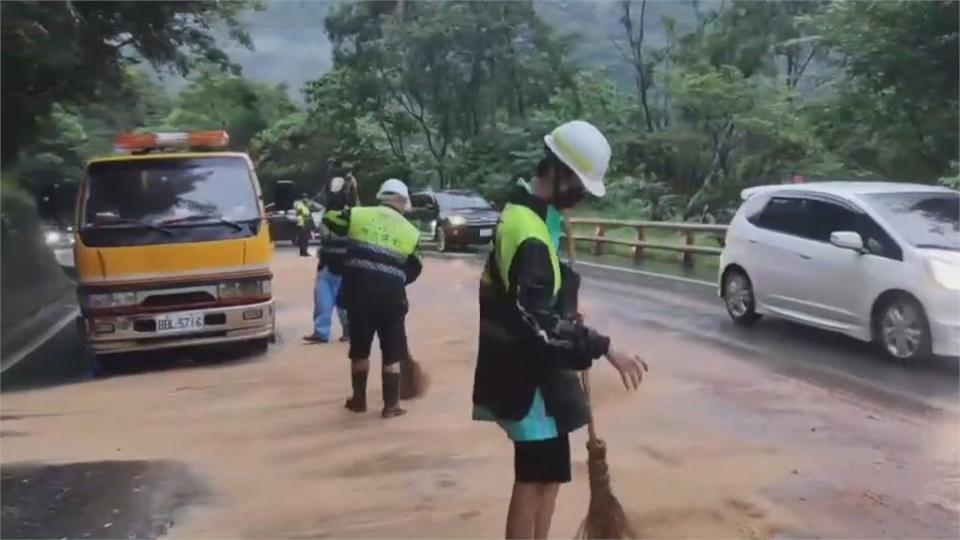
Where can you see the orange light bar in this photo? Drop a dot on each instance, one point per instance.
(132, 142)
(209, 139)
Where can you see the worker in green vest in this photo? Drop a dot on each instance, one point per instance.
(302, 207)
(532, 340)
(382, 258)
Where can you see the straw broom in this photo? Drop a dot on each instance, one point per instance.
(605, 516)
(413, 380)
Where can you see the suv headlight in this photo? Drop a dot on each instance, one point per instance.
(52, 238)
(109, 300)
(241, 289)
(944, 273)
(457, 221)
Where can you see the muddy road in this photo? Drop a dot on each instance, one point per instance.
(779, 431)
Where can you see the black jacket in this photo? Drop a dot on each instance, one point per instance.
(333, 246)
(531, 338)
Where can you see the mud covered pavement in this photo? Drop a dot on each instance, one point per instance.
(728, 437)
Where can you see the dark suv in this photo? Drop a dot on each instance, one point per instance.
(453, 217)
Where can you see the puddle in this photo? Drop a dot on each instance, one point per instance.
(115, 499)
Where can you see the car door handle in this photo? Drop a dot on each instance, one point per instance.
(804, 257)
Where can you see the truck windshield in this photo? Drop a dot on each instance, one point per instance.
(171, 192)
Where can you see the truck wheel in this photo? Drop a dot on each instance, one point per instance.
(101, 366)
(259, 346)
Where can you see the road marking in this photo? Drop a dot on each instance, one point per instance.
(646, 273)
(34, 344)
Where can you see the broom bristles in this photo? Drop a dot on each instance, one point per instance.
(605, 516)
(413, 381)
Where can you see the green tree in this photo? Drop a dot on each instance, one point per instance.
(138, 102)
(74, 52)
(57, 154)
(896, 113)
(433, 76)
(214, 100)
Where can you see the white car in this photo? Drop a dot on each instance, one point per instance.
(876, 261)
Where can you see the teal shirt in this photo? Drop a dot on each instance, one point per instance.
(537, 425)
(555, 226)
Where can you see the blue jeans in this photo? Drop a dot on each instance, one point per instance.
(324, 301)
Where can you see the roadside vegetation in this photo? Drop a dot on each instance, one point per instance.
(459, 94)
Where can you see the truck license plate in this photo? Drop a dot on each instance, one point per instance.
(486, 233)
(179, 322)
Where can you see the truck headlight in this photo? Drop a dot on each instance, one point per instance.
(109, 300)
(52, 238)
(944, 273)
(242, 289)
(457, 221)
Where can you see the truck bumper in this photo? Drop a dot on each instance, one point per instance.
(130, 333)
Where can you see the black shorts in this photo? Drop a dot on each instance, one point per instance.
(542, 462)
(387, 325)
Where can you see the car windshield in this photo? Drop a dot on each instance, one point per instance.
(162, 191)
(451, 201)
(924, 219)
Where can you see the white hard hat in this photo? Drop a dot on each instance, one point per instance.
(336, 184)
(393, 187)
(582, 147)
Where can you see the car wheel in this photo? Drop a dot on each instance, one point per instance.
(441, 239)
(901, 330)
(739, 298)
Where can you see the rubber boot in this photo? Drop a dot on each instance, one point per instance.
(358, 402)
(391, 395)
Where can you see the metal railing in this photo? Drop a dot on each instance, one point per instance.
(687, 232)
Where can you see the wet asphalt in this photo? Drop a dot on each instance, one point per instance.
(79, 499)
(689, 308)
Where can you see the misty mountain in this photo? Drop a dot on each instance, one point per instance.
(291, 46)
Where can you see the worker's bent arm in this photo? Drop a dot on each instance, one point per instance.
(413, 266)
(338, 221)
(569, 342)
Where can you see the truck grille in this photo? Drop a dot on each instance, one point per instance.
(178, 299)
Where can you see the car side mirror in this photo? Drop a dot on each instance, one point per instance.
(847, 240)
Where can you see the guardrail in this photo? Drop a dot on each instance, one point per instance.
(687, 232)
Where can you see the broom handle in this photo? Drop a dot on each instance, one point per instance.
(585, 374)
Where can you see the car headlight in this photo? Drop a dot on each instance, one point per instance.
(944, 273)
(109, 300)
(241, 289)
(52, 238)
(457, 221)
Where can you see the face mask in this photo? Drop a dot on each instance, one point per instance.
(567, 194)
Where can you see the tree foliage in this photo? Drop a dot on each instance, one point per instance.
(214, 100)
(73, 53)
(896, 111)
(461, 93)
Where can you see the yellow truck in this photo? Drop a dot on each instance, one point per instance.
(172, 246)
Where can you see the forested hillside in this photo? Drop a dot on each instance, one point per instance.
(698, 99)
